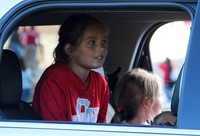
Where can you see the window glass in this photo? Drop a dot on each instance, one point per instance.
(168, 50)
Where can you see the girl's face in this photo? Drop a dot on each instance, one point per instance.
(156, 108)
(92, 51)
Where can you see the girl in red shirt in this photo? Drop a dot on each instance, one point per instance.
(69, 90)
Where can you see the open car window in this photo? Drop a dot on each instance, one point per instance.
(141, 35)
(168, 47)
(125, 42)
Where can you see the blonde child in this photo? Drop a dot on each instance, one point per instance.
(138, 97)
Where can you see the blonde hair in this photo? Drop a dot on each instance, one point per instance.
(132, 87)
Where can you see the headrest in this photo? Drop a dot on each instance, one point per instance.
(176, 94)
(10, 79)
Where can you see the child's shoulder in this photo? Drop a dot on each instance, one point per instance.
(97, 75)
(56, 68)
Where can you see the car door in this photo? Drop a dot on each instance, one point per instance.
(190, 84)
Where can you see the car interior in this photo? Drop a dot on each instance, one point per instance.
(131, 29)
(11, 105)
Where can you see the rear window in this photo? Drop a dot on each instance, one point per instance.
(168, 48)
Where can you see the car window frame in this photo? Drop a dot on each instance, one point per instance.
(2, 43)
(189, 90)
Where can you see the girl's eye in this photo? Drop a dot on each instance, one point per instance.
(92, 43)
(104, 43)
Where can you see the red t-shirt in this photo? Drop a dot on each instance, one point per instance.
(166, 72)
(61, 95)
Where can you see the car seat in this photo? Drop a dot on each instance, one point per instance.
(176, 94)
(11, 106)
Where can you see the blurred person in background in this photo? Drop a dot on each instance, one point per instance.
(15, 44)
(167, 68)
(27, 82)
(30, 39)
